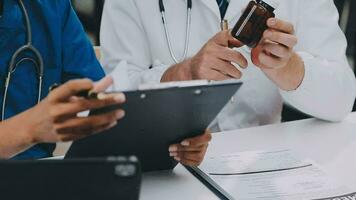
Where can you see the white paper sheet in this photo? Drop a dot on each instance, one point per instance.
(272, 175)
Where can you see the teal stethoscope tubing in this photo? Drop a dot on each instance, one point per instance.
(37, 61)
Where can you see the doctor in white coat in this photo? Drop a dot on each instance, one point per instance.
(304, 65)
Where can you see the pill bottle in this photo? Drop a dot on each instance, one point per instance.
(250, 27)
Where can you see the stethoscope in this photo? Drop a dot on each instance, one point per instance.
(187, 36)
(37, 61)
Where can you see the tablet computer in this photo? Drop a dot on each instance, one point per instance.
(155, 119)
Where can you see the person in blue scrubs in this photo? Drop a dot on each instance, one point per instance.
(67, 54)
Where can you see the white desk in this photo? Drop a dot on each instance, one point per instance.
(332, 145)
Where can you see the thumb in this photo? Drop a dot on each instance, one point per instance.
(233, 42)
(69, 89)
(222, 38)
(103, 84)
(255, 53)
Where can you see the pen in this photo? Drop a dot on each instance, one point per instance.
(88, 94)
(224, 25)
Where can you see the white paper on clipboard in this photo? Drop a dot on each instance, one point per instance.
(273, 175)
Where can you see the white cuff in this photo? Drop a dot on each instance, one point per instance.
(154, 75)
(121, 78)
(306, 82)
(126, 78)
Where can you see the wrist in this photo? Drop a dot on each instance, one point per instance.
(28, 130)
(178, 72)
(15, 136)
(290, 77)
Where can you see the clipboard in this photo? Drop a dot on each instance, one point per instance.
(157, 118)
(109, 178)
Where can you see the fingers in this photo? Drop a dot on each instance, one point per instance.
(280, 25)
(227, 69)
(271, 62)
(233, 42)
(231, 55)
(218, 71)
(214, 60)
(222, 38)
(71, 88)
(191, 151)
(277, 50)
(191, 163)
(214, 75)
(80, 104)
(285, 39)
(76, 134)
(180, 148)
(221, 62)
(190, 158)
(88, 125)
(198, 141)
(280, 32)
(209, 74)
(103, 84)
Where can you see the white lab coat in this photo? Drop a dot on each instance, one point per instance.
(135, 51)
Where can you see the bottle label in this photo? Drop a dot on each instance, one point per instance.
(245, 21)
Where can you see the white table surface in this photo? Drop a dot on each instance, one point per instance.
(332, 145)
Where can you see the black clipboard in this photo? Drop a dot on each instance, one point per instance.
(155, 119)
(90, 179)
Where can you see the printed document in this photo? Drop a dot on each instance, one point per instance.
(273, 175)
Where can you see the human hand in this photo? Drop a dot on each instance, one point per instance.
(276, 47)
(212, 62)
(191, 151)
(276, 57)
(56, 118)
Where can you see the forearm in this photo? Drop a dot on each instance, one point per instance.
(290, 77)
(327, 91)
(14, 136)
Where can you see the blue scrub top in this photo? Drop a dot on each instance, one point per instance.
(65, 48)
